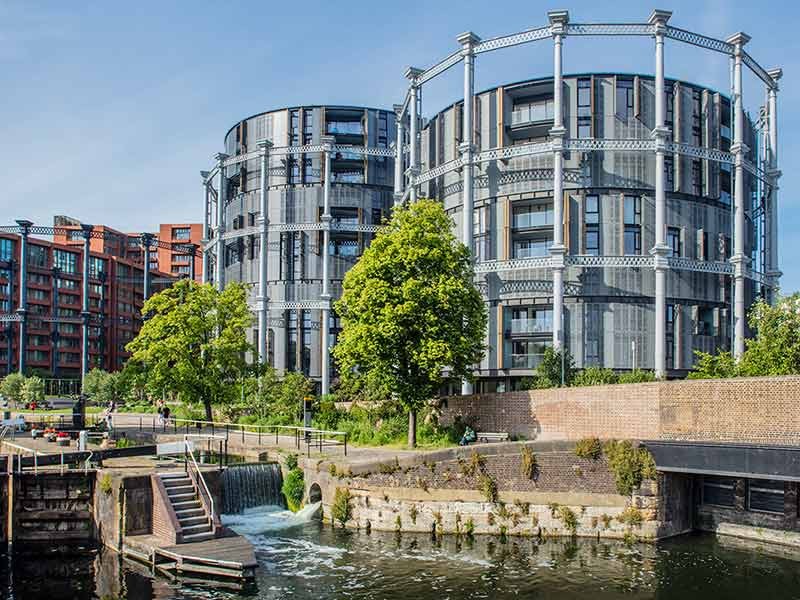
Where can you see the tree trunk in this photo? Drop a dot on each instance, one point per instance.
(412, 429)
(207, 403)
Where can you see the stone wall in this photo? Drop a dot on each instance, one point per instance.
(53, 507)
(445, 492)
(760, 410)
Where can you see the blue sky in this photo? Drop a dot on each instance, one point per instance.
(109, 110)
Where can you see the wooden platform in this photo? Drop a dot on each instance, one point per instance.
(231, 556)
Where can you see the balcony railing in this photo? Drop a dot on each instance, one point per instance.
(526, 361)
(539, 218)
(533, 113)
(531, 325)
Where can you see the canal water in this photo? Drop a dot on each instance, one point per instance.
(306, 560)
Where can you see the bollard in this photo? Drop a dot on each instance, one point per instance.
(140, 423)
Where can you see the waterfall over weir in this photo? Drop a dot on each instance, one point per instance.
(249, 485)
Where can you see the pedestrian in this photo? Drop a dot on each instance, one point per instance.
(165, 413)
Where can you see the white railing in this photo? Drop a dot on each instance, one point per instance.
(189, 454)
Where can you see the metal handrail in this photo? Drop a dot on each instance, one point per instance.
(189, 450)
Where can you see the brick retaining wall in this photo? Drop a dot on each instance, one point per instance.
(761, 410)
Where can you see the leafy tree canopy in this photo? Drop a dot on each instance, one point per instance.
(104, 387)
(11, 387)
(410, 309)
(193, 343)
(775, 349)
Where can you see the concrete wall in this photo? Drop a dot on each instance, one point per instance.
(761, 410)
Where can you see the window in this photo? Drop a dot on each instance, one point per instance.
(527, 319)
(670, 335)
(591, 220)
(669, 173)
(294, 128)
(37, 256)
(291, 345)
(96, 266)
(527, 354)
(308, 127)
(632, 240)
(674, 241)
(6, 249)
(383, 130)
(532, 215)
(765, 495)
(343, 247)
(669, 113)
(705, 321)
(481, 247)
(530, 247)
(725, 183)
(697, 108)
(532, 111)
(624, 107)
(181, 233)
(584, 108)
(697, 178)
(718, 491)
(66, 261)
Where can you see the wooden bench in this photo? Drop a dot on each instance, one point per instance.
(488, 437)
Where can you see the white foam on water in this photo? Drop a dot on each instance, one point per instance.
(262, 519)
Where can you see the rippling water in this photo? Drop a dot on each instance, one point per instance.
(307, 560)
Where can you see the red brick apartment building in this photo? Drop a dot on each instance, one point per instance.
(54, 284)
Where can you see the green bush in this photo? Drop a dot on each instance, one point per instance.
(291, 462)
(341, 509)
(637, 376)
(488, 487)
(11, 387)
(293, 489)
(631, 516)
(566, 515)
(629, 464)
(589, 447)
(548, 373)
(33, 390)
(594, 376)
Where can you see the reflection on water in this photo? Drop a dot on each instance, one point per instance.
(303, 559)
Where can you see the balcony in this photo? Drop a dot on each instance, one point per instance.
(533, 112)
(532, 218)
(526, 361)
(522, 326)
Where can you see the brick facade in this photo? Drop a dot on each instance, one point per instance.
(760, 410)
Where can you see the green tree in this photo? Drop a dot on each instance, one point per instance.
(103, 387)
(193, 343)
(410, 309)
(33, 390)
(775, 349)
(549, 371)
(713, 366)
(11, 387)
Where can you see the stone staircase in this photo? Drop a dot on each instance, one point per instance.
(194, 520)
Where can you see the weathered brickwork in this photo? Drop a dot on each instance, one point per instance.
(760, 410)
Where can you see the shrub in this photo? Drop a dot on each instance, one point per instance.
(291, 462)
(412, 513)
(524, 507)
(33, 390)
(637, 376)
(475, 465)
(488, 487)
(469, 527)
(503, 512)
(589, 447)
(106, 485)
(568, 518)
(631, 516)
(293, 489)
(390, 467)
(125, 442)
(594, 376)
(528, 463)
(341, 509)
(629, 464)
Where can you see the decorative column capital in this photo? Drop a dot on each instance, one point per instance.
(660, 135)
(264, 145)
(398, 110)
(147, 240)
(87, 230)
(468, 41)
(558, 134)
(658, 19)
(558, 22)
(659, 253)
(738, 40)
(741, 265)
(328, 142)
(412, 73)
(220, 157)
(775, 74)
(557, 258)
(466, 150)
(24, 226)
(412, 173)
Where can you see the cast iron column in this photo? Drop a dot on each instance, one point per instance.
(398, 154)
(87, 237)
(22, 310)
(327, 142)
(147, 239)
(219, 277)
(659, 251)
(204, 241)
(263, 240)
(558, 26)
(739, 259)
(773, 175)
(413, 156)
